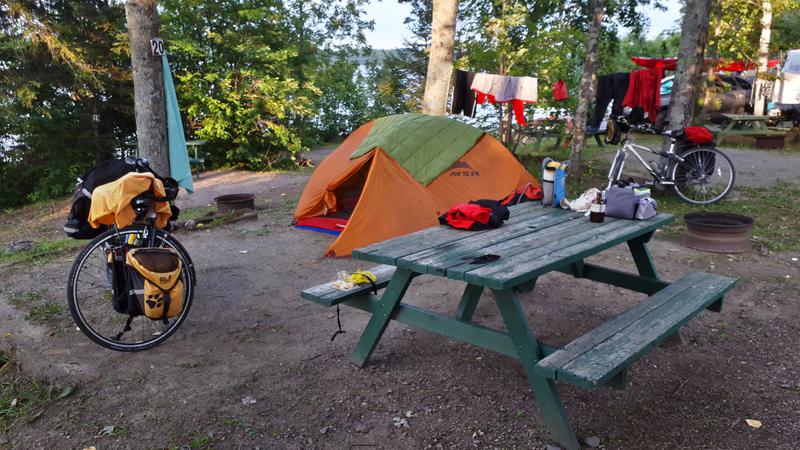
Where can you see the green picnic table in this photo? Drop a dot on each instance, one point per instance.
(196, 160)
(533, 242)
(745, 125)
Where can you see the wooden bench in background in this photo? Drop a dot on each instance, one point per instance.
(197, 161)
(744, 125)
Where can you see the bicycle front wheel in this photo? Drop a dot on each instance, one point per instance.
(705, 176)
(90, 294)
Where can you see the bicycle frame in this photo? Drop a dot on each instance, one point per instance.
(630, 146)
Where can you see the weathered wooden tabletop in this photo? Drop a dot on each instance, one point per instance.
(534, 241)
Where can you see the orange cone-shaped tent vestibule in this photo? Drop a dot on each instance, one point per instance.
(397, 174)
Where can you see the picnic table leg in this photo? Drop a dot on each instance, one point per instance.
(726, 130)
(537, 142)
(646, 268)
(529, 352)
(387, 306)
(469, 301)
(642, 258)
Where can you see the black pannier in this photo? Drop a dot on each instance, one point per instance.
(77, 224)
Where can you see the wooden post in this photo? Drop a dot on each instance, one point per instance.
(148, 85)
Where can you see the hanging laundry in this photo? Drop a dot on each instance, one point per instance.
(609, 88)
(560, 90)
(506, 89)
(644, 90)
(463, 95)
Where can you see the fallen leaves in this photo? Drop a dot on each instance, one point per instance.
(753, 423)
(399, 422)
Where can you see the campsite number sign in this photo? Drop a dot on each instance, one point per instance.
(157, 46)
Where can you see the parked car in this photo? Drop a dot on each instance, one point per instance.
(732, 96)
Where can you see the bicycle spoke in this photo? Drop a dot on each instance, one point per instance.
(704, 176)
(91, 296)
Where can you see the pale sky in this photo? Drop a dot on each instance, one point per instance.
(389, 28)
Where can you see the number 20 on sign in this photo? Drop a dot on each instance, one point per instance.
(157, 46)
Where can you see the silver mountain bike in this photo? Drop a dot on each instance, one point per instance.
(699, 174)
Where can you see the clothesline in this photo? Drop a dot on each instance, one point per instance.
(472, 89)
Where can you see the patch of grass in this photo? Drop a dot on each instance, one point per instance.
(202, 442)
(224, 218)
(119, 432)
(195, 213)
(775, 211)
(43, 312)
(42, 251)
(229, 421)
(25, 400)
(36, 307)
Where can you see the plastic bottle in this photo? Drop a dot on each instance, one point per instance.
(548, 187)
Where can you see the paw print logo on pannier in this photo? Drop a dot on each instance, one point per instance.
(155, 300)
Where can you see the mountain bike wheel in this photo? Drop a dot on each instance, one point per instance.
(89, 293)
(705, 176)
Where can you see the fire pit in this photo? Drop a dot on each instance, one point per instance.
(233, 202)
(717, 232)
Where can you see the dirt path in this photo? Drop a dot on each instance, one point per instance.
(763, 168)
(250, 335)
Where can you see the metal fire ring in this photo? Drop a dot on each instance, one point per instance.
(232, 202)
(717, 232)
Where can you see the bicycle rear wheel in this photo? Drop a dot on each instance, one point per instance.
(705, 176)
(89, 293)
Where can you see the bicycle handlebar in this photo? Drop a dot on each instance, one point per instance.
(171, 187)
(646, 127)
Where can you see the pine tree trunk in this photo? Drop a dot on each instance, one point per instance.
(694, 34)
(148, 85)
(586, 88)
(440, 60)
(763, 56)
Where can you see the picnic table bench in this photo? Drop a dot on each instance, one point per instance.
(532, 243)
(745, 125)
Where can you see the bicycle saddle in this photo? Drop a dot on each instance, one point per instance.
(673, 133)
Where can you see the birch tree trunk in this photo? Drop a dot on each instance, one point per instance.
(694, 34)
(763, 56)
(586, 89)
(711, 69)
(148, 85)
(440, 59)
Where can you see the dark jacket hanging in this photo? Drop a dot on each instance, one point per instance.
(463, 96)
(609, 88)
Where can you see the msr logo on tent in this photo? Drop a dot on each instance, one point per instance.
(463, 169)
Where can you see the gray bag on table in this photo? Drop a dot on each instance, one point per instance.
(645, 208)
(628, 202)
(621, 202)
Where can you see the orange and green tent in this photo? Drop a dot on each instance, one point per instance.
(397, 174)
